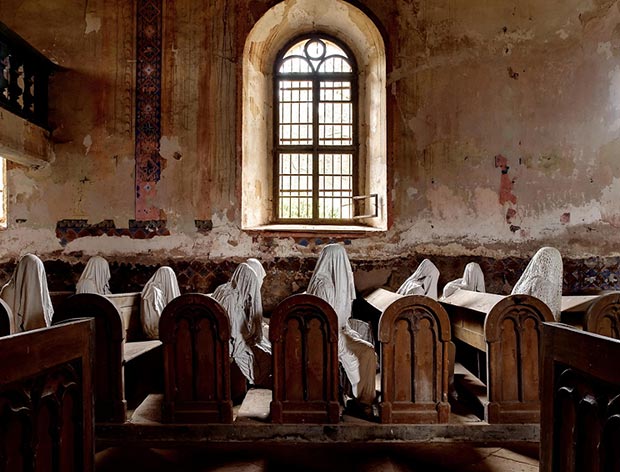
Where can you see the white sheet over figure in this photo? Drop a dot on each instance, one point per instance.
(95, 278)
(542, 278)
(27, 295)
(332, 281)
(160, 290)
(242, 302)
(473, 279)
(260, 272)
(422, 282)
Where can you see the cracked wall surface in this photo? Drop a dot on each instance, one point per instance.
(503, 136)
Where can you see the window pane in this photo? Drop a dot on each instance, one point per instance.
(335, 186)
(295, 112)
(335, 114)
(295, 194)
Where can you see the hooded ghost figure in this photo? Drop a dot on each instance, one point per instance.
(473, 279)
(27, 295)
(258, 269)
(95, 278)
(542, 278)
(332, 281)
(160, 290)
(243, 304)
(422, 282)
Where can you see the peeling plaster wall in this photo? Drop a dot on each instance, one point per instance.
(503, 126)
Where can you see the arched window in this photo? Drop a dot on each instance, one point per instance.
(313, 135)
(316, 142)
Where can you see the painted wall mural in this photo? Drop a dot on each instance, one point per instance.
(148, 106)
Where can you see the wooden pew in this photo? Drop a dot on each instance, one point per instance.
(303, 331)
(6, 319)
(195, 332)
(508, 329)
(580, 420)
(46, 399)
(113, 354)
(414, 332)
(598, 313)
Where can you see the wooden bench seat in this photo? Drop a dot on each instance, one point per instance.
(414, 332)
(303, 331)
(195, 332)
(580, 423)
(46, 399)
(508, 329)
(598, 313)
(114, 354)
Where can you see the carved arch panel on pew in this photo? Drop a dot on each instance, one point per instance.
(414, 333)
(46, 400)
(513, 333)
(603, 316)
(110, 403)
(580, 422)
(304, 337)
(195, 332)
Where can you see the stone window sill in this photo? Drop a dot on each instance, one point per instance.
(313, 230)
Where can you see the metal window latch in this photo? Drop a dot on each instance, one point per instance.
(359, 198)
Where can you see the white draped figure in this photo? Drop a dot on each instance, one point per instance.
(422, 282)
(95, 278)
(473, 279)
(243, 304)
(332, 281)
(27, 295)
(160, 290)
(259, 270)
(542, 278)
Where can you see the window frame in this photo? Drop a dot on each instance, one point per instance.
(315, 149)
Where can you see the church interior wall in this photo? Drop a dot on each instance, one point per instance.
(503, 122)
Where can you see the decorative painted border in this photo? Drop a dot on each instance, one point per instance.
(69, 230)
(148, 106)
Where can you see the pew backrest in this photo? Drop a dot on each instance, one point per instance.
(513, 333)
(128, 305)
(603, 316)
(414, 332)
(46, 399)
(303, 331)
(110, 404)
(195, 333)
(580, 421)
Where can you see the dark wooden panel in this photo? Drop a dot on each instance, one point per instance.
(195, 332)
(580, 422)
(414, 332)
(603, 316)
(46, 399)
(110, 404)
(513, 332)
(6, 319)
(304, 337)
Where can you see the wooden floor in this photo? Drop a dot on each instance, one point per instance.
(434, 457)
(253, 444)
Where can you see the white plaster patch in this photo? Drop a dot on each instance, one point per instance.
(411, 192)
(21, 185)
(93, 23)
(614, 88)
(562, 33)
(169, 147)
(604, 49)
(87, 142)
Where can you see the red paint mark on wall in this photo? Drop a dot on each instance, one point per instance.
(510, 214)
(505, 183)
(565, 218)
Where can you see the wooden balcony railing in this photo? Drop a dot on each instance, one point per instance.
(24, 76)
